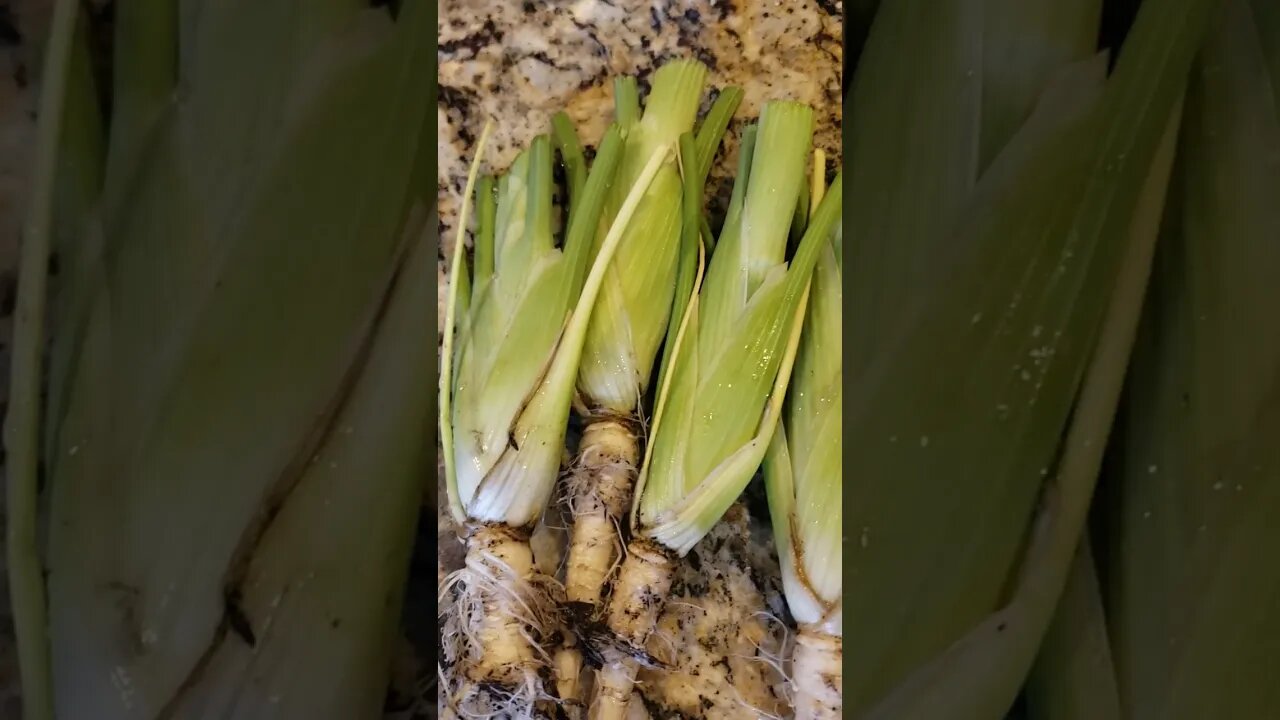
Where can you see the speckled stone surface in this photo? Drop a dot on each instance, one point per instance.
(517, 63)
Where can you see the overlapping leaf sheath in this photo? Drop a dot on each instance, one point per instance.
(734, 341)
(628, 323)
(939, 89)
(727, 365)
(236, 399)
(804, 472)
(630, 320)
(522, 321)
(1189, 572)
(66, 180)
(978, 676)
(924, 132)
(521, 318)
(1074, 673)
(510, 329)
(958, 408)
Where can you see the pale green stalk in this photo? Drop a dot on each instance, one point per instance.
(630, 320)
(958, 419)
(457, 276)
(542, 424)
(712, 428)
(979, 675)
(924, 131)
(803, 469)
(509, 417)
(512, 392)
(1074, 677)
(1191, 574)
(571, 154)
(803, 477)
(242, 269)
(22, 425)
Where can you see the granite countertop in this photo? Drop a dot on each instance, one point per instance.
(517, 63)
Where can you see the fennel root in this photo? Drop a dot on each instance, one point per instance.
(638, 598)
(599, 494)
(815, 669)
(605, 473)
(504, 613)
(614, 683)
(640, 592)
(569, 678)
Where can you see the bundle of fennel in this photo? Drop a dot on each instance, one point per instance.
(524, 345)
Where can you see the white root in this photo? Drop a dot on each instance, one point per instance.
(600, 493)
(593, 547)
(569, 676)
(640, 592)
(614, 684)
(815, 667)
(492, 641)
(644, 582)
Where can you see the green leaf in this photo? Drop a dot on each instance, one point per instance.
(144, 72)
(630, 320)
(753, 241)
(249, 238)
(486, 218)
(979, 675)
(960, 416)
(1024, 46)
(322, 589)
(67, 87)
(714, 125)
(1189, 572)
(626, 101)
(933, 104)
(804, 469)
(509, 218)
(570, 148)
(691, 246)
(1073, 676)
(513, 335)
(714, 425)
(78, 234)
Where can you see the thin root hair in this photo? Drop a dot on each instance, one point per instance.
(682, 603)
(760, 712)
(659, 634)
